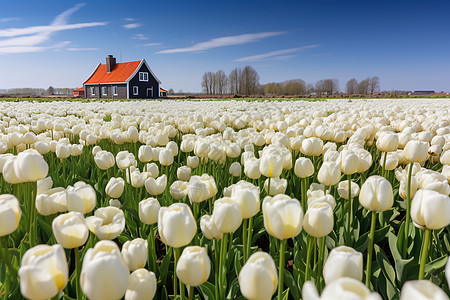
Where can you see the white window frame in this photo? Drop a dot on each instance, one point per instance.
(143, 76)
(104, 91)
(135, 90)
(93, 90)
(115, 90)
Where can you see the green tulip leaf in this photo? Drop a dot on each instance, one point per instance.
(436, 265)
(234, 289)
(402, 268)
(207, 290)
(237, 262)
(385, 265)
(164, 267)
(291, 284)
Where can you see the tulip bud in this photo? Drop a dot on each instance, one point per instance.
(416, 151)
(235, 169)
(107, 223)
(70, 230)
(156, 186)
(192, 162)
(312, 146)
(165, 157)
(43, 272)
(430, 209)
(141, 285)
(251, 168)
(343, 261)
(227, 215)
(51, 201)
(135, 253)
(184, 173)
(209, 228)
(283, 216)
(148, 211)
(277, 186)
(187, 145)
(115, 203)
(152, 170)
(329, 173)
(271, 165)
(115, 187)
(81, 198)
(63, 151)
(104, 275)
(194, 266)
(343, 189)
(176, 225)
(10, 214)
(303, 167)
(104, 160)
(247, 198)
(387, 142)
(318, 220)
(422, 289)
(145, 153)
(341, 288)
(125, 159)
(258, 277)
(376, 194)
(348, 162)
(30, 166)
(44, 185)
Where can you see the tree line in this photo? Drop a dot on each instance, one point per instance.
(240, 81)
(246, 82)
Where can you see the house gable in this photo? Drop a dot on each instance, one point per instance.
(143, 89)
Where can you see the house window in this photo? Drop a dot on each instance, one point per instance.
(114, 88)
(143, 76)
(92, 91)
(135, 90)
(104, 90)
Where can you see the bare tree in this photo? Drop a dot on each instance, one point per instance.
(374, 85)
(221, 82)
(208, 83)
(249, 81)
(363, 86)
(233, 80)
(310, 88)
(351, 87)
(327, 86)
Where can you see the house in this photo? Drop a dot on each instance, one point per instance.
(126, 80)
(421, 93)
(162, 92)
(78, 92)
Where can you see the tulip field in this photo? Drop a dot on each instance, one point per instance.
(224, 199)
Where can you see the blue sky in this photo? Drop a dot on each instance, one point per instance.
(59, 43)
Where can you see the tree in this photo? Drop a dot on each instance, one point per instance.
(249, 81)
(327, 86)
(351, 87)
(233, 80)
(294, 87)
(221, 82)
(50, 90)
(363, 86)
(208, 83)
(170, 91)
(374, 85)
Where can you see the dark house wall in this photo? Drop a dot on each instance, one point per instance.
(121, 91)
(144, 85)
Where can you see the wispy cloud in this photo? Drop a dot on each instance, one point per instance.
(225, 41)
(130, 19)
(139, 36)
(34, 38)
(152, 44)
(132, 25)
(280, 54)
(4, 20)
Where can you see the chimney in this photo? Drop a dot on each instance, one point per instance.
(110, 63)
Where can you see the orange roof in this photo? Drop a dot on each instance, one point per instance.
(79, 89)
(120, 73)
(162, 90)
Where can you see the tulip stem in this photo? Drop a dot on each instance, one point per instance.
(175, 279)
(303, 192)
(350, 211)
(191, 292)
(424, 253)
(222, 267)
(249, 237)
(78, 272)
(308, 256)
(408, 210)
(4, 254)
(216, 268)
(281, 268)
(32, 226)
(370, 248)
(244, 237)
(320, 261)
(151, 249)
(383, 171)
